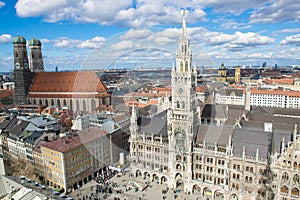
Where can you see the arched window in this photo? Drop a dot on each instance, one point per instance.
(296, 179)
(77, 105)
(285, 177)
(181, 66)
(46, 102)
(186, 66)
(177, 104)
(71, 104)
(84, 105)
(52, 102)
(34, 101)
(41, 102)
(58, 102)
(295, 192)
(65, 102)
(93, 104)
(284, 189)
(183, 105)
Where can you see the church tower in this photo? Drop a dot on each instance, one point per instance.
(183, 120)
(36, 59)
(22, 75)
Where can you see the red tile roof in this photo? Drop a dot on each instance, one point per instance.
(67, 84)
(6, 93)
(276, 92)
(286, 81)
(202, 88)
(65, 144)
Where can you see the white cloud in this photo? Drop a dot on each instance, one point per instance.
(291, 40)
(111, 12)
(277, 11)
(136, 34)
(289, 30)
(2, 4)
(235, 25)
(231, 6)
(247, 40)
(123, 45)
(64, 42)
(5, 38)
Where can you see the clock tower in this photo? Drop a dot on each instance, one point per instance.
(22, 75)
(183, 117)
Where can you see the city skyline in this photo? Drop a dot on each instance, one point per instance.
(82, 34)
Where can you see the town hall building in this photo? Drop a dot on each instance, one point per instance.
(249, 154)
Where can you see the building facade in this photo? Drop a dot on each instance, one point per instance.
(251, 157)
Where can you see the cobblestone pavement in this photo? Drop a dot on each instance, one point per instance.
(121, 190)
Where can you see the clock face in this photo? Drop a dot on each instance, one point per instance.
(17, 65)
(26, 65)
(180, 90)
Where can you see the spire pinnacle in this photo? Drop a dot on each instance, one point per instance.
(184, 32)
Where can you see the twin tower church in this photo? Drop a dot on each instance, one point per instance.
(79, 91)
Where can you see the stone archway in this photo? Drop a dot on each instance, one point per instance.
(233, 197)
(163, 179)
(218, 195)
(207, 193)
(196, 189)
(138, 173)
(179, 184)
(155, 178)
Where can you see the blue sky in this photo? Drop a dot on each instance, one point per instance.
(78, 34)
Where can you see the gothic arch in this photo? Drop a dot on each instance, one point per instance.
(219, 194)
(186, 66)
(177, 104)
(284, 189)
(285, 177)
(296, 179)
(207, 191)
(181, 66)
(163, 179)
(196, 189)
(295, 192)
(93, 104)
(71, 104)
(178, 167)
(77, 105)
(84, 105)
(183, 105)
(233, 197)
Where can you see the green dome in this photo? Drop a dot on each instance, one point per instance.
(19, 40)
(35, 42)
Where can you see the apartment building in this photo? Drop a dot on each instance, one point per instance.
(73, 160)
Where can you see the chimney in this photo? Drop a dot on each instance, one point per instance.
(268, 127)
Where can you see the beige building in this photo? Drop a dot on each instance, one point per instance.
(71, 161)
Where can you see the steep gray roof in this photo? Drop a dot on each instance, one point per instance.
(157, 125)
(213, 134)
(255, 138)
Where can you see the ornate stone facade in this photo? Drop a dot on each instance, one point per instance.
(244, 158)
